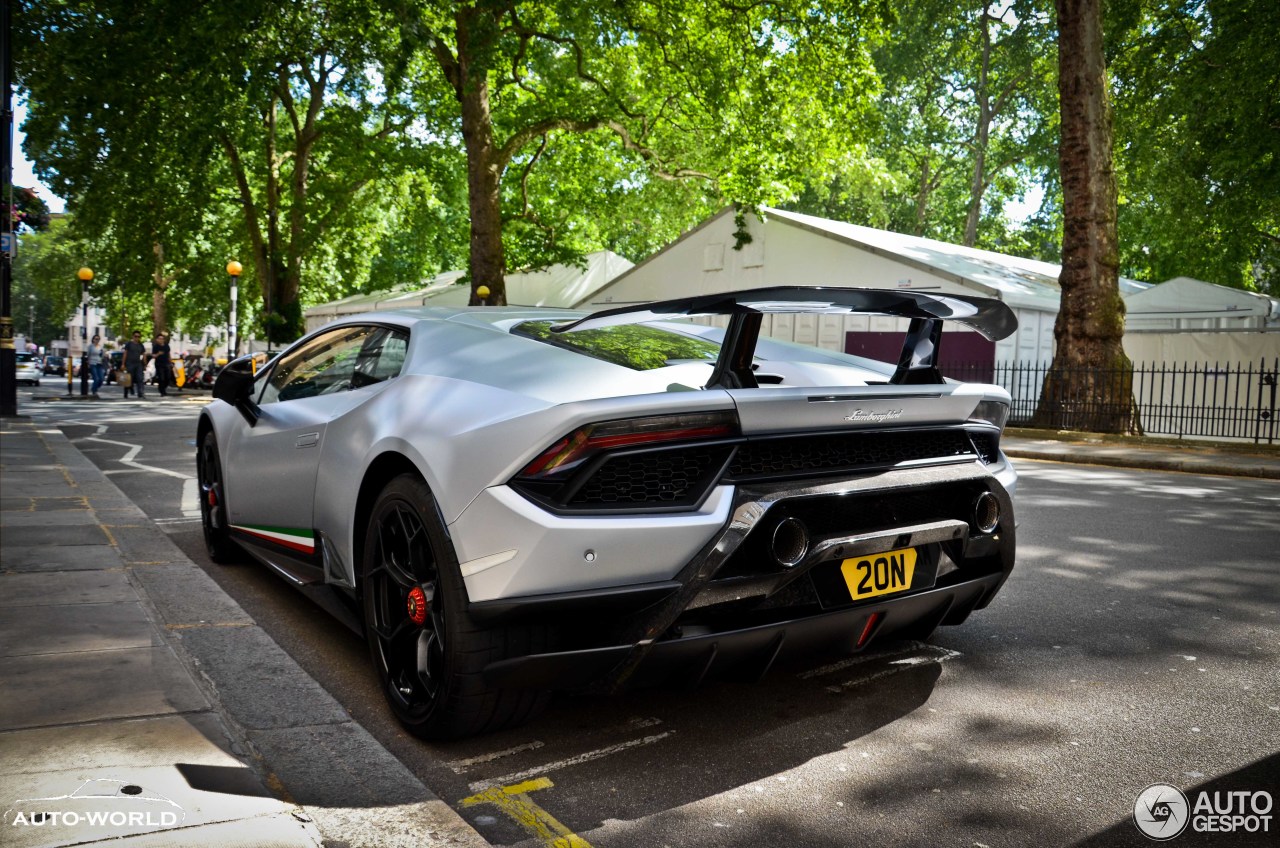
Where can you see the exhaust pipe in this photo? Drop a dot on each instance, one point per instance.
(986, 512)
(790, 542)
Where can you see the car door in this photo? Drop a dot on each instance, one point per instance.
(276, 460)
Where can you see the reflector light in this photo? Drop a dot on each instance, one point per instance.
(870, 627)
(991, 412)
(417, 605)
(630, 432)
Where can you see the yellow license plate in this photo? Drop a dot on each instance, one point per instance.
(879, 574)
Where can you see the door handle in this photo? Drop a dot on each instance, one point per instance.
(307, 440)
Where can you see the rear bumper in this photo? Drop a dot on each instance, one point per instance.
(748, 612)
(747, 653)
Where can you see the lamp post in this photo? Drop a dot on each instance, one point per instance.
(86, 276)
(233, 268)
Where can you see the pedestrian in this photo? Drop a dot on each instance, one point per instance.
(134, 364)
(160, 354)
(96, 353)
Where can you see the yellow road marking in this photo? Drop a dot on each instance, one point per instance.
(514, 801)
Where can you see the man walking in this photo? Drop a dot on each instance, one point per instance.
(160, 355)
(135, 364)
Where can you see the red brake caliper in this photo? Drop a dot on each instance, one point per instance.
(418, 606)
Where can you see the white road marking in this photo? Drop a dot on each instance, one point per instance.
(464, 765)
(98, 429)
(941, 655)
(840, 665)
(190, 498)
(597, 754)
(134, 450)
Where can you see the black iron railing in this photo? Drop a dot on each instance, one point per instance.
(1235, 400)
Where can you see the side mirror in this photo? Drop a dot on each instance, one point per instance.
(234, 384)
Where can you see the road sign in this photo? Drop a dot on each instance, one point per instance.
(8, 244)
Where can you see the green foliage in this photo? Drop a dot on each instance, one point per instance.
(620, 125)
(322, 143)
(183, 137)
(966, 118)
(46, 290)
(1197, 94)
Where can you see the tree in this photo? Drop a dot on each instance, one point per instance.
(110, 128)
(1009, 90)
(965, 122)
(159, 122)
(1089, 383)
(1198, 96)
(739, 98)
(45, 289)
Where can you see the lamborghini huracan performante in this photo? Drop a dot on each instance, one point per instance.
(510, 501)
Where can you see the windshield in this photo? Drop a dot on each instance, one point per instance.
(635, 346)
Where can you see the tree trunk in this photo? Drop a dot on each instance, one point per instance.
(488, 260)
(470, 80)
(922, 195)
(1089, 384)
(981, 137)
(159, 284)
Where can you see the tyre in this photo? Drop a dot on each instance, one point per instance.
(213, 505)
(429, 655)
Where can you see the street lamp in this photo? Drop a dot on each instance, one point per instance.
(233, 268)
(86, 276)
(482, 292)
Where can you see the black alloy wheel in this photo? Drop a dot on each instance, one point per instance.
(404, 616)
(213, 505)
(429, 654)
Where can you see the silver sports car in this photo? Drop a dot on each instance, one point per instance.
(510, 501)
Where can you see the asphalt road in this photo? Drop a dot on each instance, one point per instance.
(1136, 643)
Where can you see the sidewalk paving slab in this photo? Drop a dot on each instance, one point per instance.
(130, 677)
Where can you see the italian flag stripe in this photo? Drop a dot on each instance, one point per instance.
(298, 540)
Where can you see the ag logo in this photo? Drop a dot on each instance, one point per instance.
(1161, 811)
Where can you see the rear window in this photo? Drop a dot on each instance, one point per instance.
(26, 357)
(635, 346)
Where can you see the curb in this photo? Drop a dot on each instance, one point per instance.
(1145, 460)
(306, 748)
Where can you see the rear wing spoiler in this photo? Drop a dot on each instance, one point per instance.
(917, 364)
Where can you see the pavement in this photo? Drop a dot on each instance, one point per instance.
(143, 706)
(1228, 459)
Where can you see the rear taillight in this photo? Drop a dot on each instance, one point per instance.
(630, 432)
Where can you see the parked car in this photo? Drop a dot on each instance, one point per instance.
(516, 500)
(56, 365)
(28, 369)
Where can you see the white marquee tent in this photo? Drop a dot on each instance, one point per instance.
(1188, 320)
(790, 248)
(558, 285)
